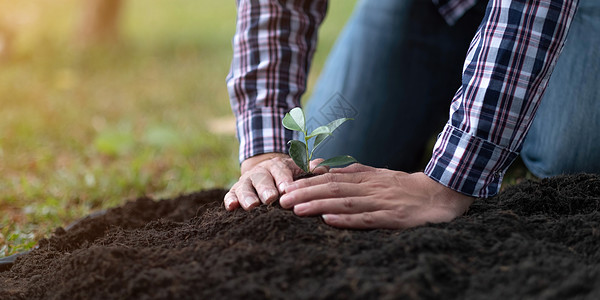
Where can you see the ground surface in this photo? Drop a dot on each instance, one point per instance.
(537, 240)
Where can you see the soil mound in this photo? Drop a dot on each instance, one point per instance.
(537, 239)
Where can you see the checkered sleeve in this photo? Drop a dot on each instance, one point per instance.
(272, 49)
(506, 71)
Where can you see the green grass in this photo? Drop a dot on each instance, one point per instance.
(83, 131)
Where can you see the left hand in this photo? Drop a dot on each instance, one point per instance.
(359, 196)
(263, 179)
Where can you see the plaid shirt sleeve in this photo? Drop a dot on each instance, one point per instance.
(506, 71)
(272, 50)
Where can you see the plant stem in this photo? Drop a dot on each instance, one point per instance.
(308, 154)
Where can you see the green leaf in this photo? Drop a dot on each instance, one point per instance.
(338, 161)
(298, 154)
(320, 138)
(294, 120)
(319, 130)
(333, 125)
(329, 128)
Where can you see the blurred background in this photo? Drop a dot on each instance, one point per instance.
(104, 101)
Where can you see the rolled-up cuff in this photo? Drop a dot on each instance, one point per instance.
(468, 164)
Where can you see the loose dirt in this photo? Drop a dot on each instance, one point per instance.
(537, 240)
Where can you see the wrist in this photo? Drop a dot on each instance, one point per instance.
(251, 162)
(455, 198)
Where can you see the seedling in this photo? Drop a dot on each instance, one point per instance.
(300, 152)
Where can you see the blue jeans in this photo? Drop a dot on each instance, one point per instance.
(565, 134)
(396, 66)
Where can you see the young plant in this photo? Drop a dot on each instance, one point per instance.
(300, 152)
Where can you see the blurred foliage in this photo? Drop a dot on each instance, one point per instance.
(87, 129)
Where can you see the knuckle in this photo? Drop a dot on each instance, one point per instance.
(334, 188)
(261, 168)
(348, 203)
(367, 218)
(273, 167)
(400, 216)
(329, 178)
(259, 186)
(247, 193)
(398, 213)
(278, 171)
(261, 179)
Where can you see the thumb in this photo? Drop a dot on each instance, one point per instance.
(318, 170)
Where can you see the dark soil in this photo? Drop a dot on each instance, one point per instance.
(536, 240)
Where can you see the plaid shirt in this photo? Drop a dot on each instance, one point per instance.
(506, 71)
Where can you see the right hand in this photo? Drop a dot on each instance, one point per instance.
(264, 178)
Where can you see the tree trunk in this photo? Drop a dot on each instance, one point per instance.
(6, 41)
(100, 22)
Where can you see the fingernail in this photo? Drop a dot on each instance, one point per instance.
(301, 208)
(249, 201)
(267, 195)
(330, 218)
(284, 200)
(228, 199)
(282, 187)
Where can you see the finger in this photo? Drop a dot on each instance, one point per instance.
(246, 195)
(282, 174)
(321, 191)
(368, 220)
(347, 205)
(296, 171)
(323, 179)
(318, 170)
(264, 186)
(353, 168)
(230, 200)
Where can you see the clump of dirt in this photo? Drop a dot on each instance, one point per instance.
(537, 239)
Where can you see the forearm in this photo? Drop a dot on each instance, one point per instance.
(506, 72)
(272, 49)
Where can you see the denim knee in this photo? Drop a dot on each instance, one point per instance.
(560, 160)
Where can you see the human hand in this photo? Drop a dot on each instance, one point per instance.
(359, 196)
(264, 177)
